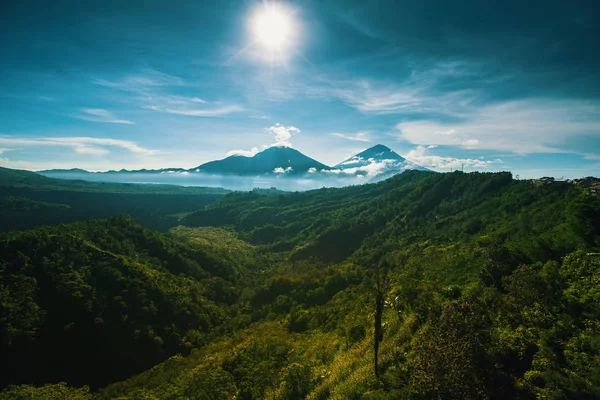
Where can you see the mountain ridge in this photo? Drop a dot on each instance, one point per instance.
(277, 159)
(283, 160)
(378, 162)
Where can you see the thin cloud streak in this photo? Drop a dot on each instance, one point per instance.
(147, 78)
(205, 112)
(101, 115)
(81, 145)
(355, 137)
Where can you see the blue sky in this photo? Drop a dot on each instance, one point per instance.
(509, 85)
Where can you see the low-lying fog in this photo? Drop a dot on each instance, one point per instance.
(232, 182)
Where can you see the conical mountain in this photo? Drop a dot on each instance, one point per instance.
(276, 159)
(376, 153)
(377, 161)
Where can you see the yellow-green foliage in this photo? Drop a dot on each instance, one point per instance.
(59, 391)
(227, 240)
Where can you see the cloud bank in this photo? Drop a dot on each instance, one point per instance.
(421, 156)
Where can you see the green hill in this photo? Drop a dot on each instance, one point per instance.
(28, 200)
(13, 178)
(106, 296)
(465, 286)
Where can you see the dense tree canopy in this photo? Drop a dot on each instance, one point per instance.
(491, 291)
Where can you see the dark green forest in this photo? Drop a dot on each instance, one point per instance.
(426, 285)
(28, 200)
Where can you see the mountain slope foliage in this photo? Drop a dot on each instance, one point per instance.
(488, 288)
(106, 296)
(411, 209)
(28, 200)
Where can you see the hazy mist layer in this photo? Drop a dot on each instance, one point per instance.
(232, 182)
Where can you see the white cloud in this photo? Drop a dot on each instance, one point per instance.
(312, 170)
(448, 132)
(81, 145)
(432, 114)
(374, 168)
(197, 112)
(283, 134)
(281, 170)
(362, 136)
(100, 115)
(247, 153)
(526, 126)
(470, 143)
(420, 156)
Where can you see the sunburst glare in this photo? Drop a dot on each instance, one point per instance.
(273, 30)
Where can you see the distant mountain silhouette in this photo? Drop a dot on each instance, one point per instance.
(378, 162)
(71, 170)
(272, 160)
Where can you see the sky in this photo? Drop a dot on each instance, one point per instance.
(480, 85)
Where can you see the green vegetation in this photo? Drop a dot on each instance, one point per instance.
(25, 179)
(105, 295)
(464, 286)
(29, 200)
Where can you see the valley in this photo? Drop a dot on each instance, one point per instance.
(487, 282)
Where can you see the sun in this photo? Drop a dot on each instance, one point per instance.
(273, 27)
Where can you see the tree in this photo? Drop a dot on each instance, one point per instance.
(381, 287)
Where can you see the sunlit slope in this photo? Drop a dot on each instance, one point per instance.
(412, 208)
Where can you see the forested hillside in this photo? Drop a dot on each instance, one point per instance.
(95, 302)
(28, 200)
(453, 286)
(412, 210)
